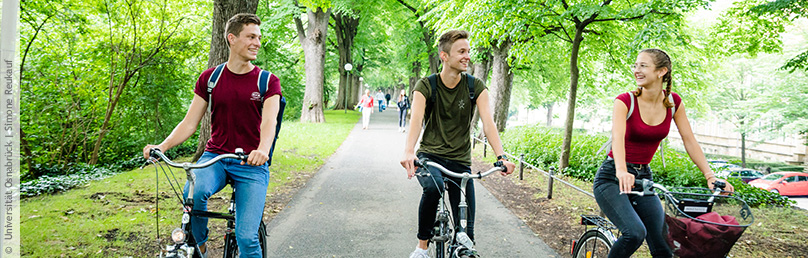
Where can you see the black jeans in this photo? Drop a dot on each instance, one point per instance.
(432, 192)
(637, 217)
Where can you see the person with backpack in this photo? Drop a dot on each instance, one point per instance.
(403, 104)
(245, 103)
(637, 130)
(444, 104)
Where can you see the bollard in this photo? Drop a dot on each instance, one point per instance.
(485, 147)
(550, 184)
(521, 165)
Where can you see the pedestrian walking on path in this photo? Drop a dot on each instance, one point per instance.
(366, 104)
(403, 106)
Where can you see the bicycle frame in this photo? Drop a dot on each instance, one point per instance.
(456, 239)
(185, 242)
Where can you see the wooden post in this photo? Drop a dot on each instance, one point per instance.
(550, 184)
(485, 147)
(521, 165)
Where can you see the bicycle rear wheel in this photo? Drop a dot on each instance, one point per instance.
(593, 244)
(231, 247)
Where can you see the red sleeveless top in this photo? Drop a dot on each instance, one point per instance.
(642, 140)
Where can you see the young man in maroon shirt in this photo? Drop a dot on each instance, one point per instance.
(236, 122)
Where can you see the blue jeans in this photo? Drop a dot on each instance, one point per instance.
(431, 197)
(402, 117)
(250, 183)
(381, 108)
(637, 217)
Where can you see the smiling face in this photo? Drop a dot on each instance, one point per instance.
(246, 44)
(646, 72)
(458, 56)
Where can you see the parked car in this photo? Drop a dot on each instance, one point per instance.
(722, 165)
(745, 174)
(785, 183)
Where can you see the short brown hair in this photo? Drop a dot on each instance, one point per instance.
(236, 24)
(448, 38)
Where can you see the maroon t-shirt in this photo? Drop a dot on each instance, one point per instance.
(235, 114)
(642, 140)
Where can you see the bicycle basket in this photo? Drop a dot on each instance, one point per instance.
(702, 225)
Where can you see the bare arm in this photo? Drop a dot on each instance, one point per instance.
(490, 129)
(619, 113)
(416, 122)
(692, 147)
(184, 129)
(269, 114)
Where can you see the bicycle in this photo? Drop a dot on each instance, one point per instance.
(452, 240)
(683, 207)
(183, 243)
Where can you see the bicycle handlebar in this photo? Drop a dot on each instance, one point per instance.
(498, 166)
(239, 155)
(648, 186)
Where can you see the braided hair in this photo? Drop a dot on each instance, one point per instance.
(661, 59)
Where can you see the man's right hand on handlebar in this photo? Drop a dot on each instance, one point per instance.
(148, 149)
(408, 162)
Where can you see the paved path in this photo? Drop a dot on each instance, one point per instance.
(360, 204)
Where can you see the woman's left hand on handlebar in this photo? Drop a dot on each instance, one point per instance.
(256, 158)
(509, 168)
(729, 187)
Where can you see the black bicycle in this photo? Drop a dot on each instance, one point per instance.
(452, 240)
(693, 226)
(183, 243)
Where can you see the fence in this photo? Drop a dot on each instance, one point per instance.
(551, 174)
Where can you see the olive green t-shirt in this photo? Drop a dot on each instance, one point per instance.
(447, 132)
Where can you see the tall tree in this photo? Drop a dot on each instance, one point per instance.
(346, 25)
(313, 39)
(219, 52)
(428, 35)
(129, 53)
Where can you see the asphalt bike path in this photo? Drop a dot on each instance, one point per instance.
(361, 204)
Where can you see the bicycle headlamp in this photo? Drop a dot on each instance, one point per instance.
(178, 235)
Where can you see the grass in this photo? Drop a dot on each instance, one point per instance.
(776, 231)
(116, 216)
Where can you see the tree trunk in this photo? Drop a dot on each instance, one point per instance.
(502, 78)
(223, 10)
(480, 70)
(416, 74)
(345, 27)
(549, 107)
(574, 74)
(313, 40)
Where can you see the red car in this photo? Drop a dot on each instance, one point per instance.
(785, 183)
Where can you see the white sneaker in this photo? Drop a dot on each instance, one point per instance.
(419, 253)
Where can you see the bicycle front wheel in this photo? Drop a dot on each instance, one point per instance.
(231, 247)
(593, 244)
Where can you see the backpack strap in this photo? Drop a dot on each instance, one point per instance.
(470, 80)
(263, 85)
(212, 81)
(631, 107)
(433, 82)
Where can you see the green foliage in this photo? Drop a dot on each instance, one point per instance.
(541, 147)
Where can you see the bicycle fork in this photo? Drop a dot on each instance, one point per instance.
(462, 237)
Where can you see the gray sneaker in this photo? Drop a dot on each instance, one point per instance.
(419, 254)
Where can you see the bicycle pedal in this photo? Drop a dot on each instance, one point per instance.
(440, 238)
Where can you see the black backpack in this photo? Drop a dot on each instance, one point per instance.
(263, 85)
(433, 82)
